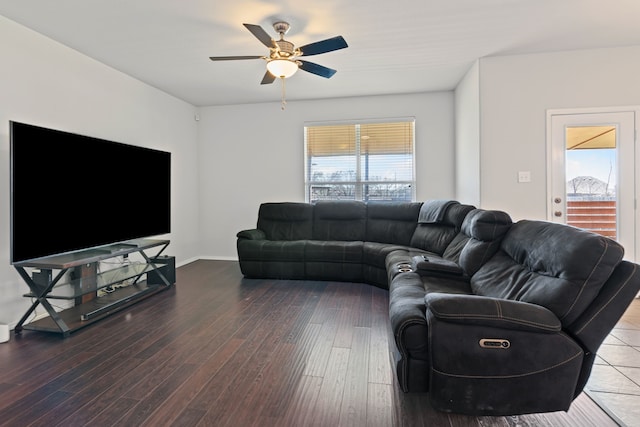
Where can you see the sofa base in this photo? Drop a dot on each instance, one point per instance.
(499, 396)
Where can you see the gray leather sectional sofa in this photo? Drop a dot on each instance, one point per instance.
(489, 317)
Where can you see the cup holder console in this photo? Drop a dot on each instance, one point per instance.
(405, 268)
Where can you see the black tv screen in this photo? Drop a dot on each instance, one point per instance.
(71, 192)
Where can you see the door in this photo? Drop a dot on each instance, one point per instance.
(592, 174)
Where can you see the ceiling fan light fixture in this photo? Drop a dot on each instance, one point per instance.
(282, 68)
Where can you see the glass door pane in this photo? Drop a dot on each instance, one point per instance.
(591, 170)
(591, 173)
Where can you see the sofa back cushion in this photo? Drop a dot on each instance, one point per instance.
(391, 222)
(479, 239)
(286, 221)
(434, 236)
(344, 220)
(556, 266)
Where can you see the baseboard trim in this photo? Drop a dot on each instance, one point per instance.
(218, 258)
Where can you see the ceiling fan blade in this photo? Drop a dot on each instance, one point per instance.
(316, 69)
(268, 78)
(233, 58)
(261, 35)
(324, 46)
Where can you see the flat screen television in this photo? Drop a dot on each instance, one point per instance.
(71, 192)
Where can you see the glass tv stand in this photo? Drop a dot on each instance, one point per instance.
(76, 277)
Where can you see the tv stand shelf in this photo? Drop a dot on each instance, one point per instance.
(85, 282)
(79, 287)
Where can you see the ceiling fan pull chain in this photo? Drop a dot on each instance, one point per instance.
(284, 93)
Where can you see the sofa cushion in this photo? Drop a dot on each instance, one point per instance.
(486, 225)
(486, 229)
(556, 266)
(436, 236)
(333, 260)
(286, 221)
(479, 229)
(391, 222)
(333, 251)
(339, 220)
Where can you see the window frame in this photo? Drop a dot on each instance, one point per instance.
(359, 183)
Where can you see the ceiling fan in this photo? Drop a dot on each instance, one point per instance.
(282, 60)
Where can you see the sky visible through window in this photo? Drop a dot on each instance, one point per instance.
(597, 163)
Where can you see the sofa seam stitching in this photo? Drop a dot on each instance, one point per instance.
(626, 282)
(579, 353)
(585, 282)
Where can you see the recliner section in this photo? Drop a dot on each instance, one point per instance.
(478, 239)
(509, 356)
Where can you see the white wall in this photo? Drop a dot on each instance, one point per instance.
(251, 154)
(467, 144)
(47, 84)
(237, 157)
(516, 91)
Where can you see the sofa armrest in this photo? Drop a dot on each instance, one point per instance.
(253, 234)
(426, 265)
(491, 312)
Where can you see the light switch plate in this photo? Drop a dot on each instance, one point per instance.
(524, 176)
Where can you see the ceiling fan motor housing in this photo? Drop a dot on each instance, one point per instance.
(285, 48)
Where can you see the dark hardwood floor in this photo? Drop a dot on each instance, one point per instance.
(222, 350)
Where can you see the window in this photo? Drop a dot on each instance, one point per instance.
(362, 161)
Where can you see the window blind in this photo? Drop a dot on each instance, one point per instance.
(360, 161)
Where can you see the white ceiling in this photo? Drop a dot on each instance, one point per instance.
(399, 46)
